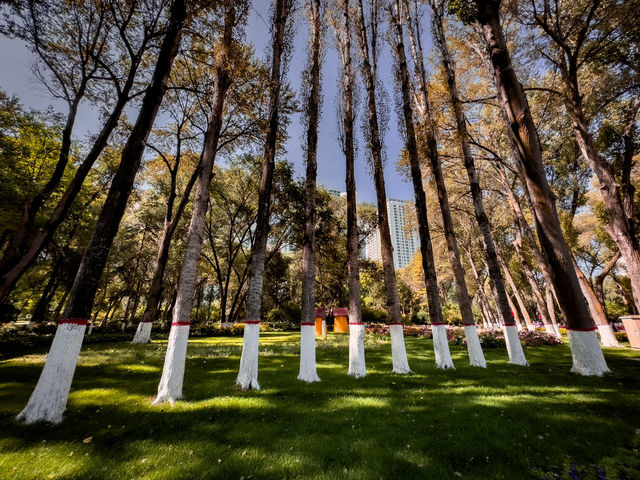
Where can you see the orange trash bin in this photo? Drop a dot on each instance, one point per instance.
(340, 320)
(321, 322)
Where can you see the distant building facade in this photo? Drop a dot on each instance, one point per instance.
(404, 246)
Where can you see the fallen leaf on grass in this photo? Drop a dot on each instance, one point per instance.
(87, 440)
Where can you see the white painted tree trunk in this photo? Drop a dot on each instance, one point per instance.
(308, 371)
(607, 337)
(588, 358)
(248, 373)
(474, 348)
(556, 329)
(170, 386)
(398, 350)
(143, 333)
(357, 365)
(514, 347)
(531, 327)
(49, 399)
(90, 330)
(441, 347)
(324, 327)
(548, 328)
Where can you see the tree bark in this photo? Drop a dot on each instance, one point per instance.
(598, 284)
(307, 373)
(170, 386)
(49, 398)
(440, 343)
(368, 59)
(516, 293)
(587, 356)
(357, 365)
(248, 373)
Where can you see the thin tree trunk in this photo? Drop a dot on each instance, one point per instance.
(368, 58)
(587, 355)
(48, 400)
(170, 386)
(357, 365)
(315, 12)
(598, 284)
(514, 348)
(248, 372)
(154, 295)
(598, 314)
(42, 306)
(516, 293)
(439, 332)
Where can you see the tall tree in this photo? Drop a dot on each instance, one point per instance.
(440, 342)
(579, 36)
(412, 13)
(587, 354)
(367, 35)
(112, 47)
(48, 400)
(316, 10)
(280, 51)
(342, 24)
(514, 348)
(170, 386)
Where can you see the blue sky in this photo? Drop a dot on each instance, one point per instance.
(16, 79)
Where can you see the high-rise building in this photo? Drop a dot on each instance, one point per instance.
(404, 245)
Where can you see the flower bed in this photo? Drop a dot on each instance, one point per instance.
(455, 335)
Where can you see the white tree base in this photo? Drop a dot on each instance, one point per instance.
(49, 399)
(556, 329)
(474, 348)
(170, 386)
(248, 373)
(398, 350)
(308, 371)
(357, 365)
(143, 333)
(587, 355)
(514, 347)
(324, 327)
(607, 337)
(441, 347)
(548, 328)
(531, 328)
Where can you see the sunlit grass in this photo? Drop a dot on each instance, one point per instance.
(503, 422)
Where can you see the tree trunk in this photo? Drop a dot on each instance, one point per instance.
(440, 342)
(154, 295)
(587, 355)
(516, 293)
(315, 11)
(398, 352)
(598, 284)
(48, 400)
(170, 386)
(357, 365)
(42, 306)
(514, 348)
(248, 373)
(598, 314)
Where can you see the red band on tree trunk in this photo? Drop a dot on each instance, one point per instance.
(146, 321)
(74, 321)
(356, 323)
(252, 322)
(180, 324)
(508, 324)
(582, 329)
(308, 324)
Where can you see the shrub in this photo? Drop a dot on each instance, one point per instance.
(373, 315)
(285, 317)
(535, 339)
(621, 336)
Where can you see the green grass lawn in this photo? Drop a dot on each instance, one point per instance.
(503, 422)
